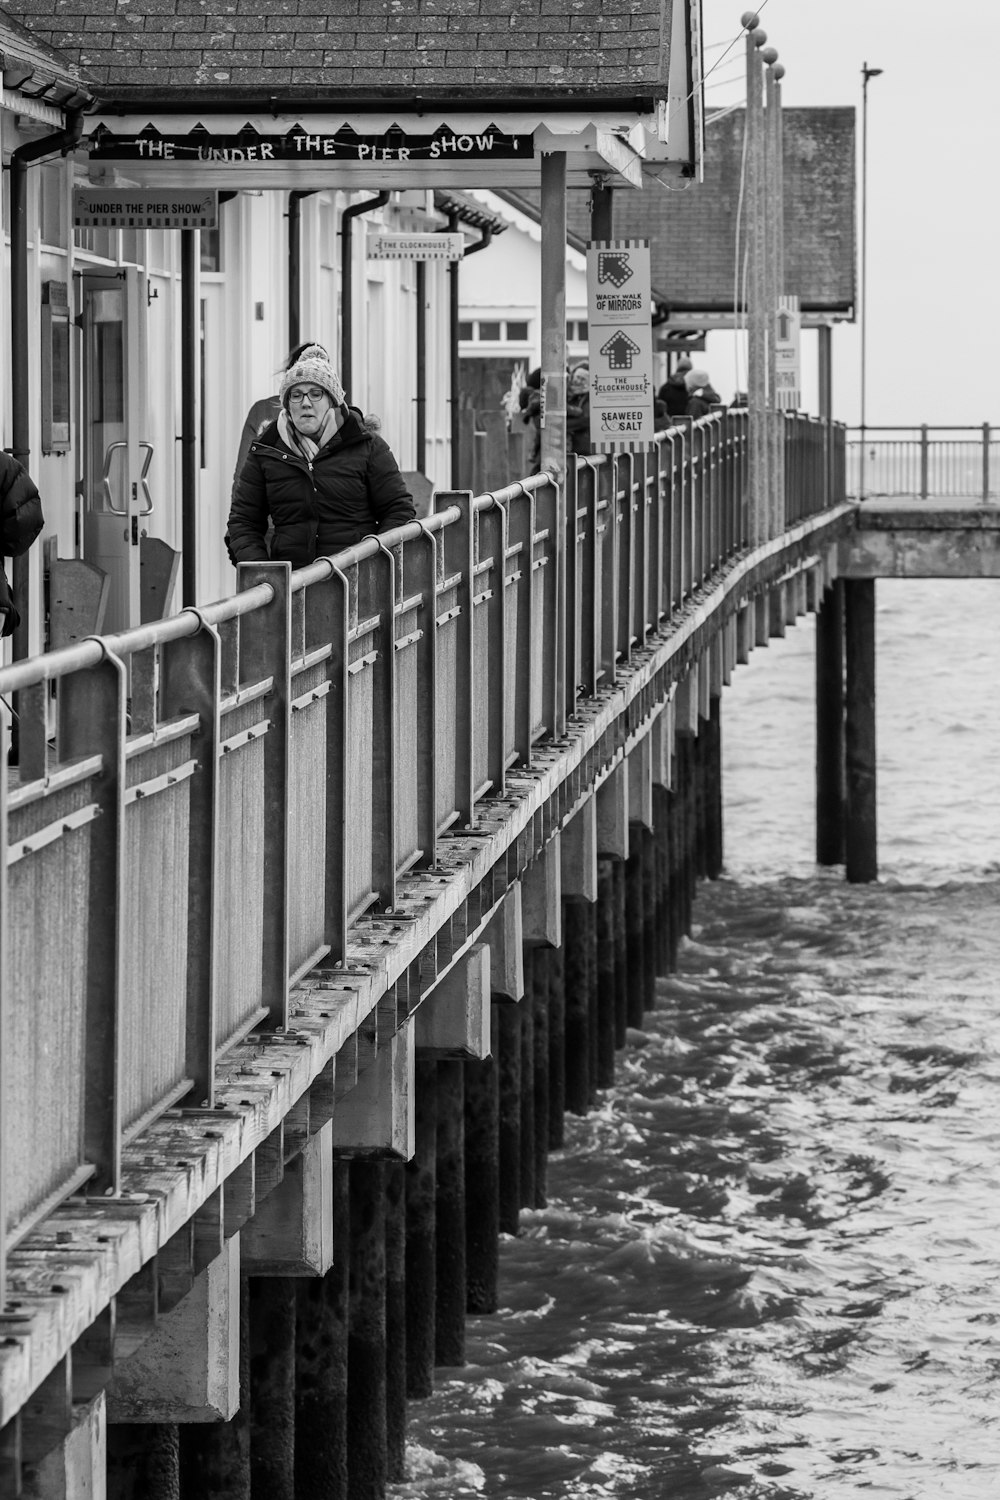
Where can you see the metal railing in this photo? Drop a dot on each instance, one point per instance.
(205, 805)
(927, 462)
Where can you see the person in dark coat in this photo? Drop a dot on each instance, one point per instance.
(320, 474)
(20, 522)
(267, 410)
(701, 394)
(673, 392)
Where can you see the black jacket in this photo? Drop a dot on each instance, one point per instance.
(20, 522)
(351, 489)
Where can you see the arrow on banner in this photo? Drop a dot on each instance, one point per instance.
(614, 268)
(620, 351)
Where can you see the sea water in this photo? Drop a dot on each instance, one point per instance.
(768, 1264)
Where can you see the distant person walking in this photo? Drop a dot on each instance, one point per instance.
(701, 394)
(673, 392)
(320, 474)
(578, 411)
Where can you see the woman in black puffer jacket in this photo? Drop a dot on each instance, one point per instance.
(320, 475)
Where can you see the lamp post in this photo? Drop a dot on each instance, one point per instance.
(866, 74)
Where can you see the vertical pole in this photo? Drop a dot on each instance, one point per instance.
(772, 285)
(215, 1456)
(454, 382)
(142, 1461)
(756, 309)
(605, 979)
(924, 462)
(421, 1253)
(421, 340)
(526, 1016)
(553, 290)
(711, 729)
(830, 726)
(578, 983)
(508, 1035)
(449, 1337)
(366, 1367)
(395, 1319)
(556, 964)
(601, 208)
(986, 463)
(272, 1388)
(538, 998)
(482, 1183)
(189, 411)
(321, 1362)
(866, 74)
(825, 353)
(861, 833)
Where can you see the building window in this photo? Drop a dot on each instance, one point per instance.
(211, 250)
(495, 331)
(576, 330)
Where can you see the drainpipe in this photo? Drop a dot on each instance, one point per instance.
(61, 141)
(421, 396)
(346, 318)
(295, 197)
(453, 311)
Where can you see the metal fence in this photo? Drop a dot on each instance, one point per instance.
(203, 806)
(961, 463)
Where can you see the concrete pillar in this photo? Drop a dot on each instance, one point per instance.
(661, 842)
(215, 1457)
(395, 1318)
(272, 1387)
(482, 1183)
(712, 733)
(508, 1035)
(76, 1468)
(321, 1363)
(861, 844)
(449, 1334)
(421, 1254)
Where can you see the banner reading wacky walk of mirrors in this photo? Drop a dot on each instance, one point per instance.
(620, 345)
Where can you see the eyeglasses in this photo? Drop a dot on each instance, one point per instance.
(314, 397)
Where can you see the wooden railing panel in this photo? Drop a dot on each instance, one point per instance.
(241, 873)
(307, 829)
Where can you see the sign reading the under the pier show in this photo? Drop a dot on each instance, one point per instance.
(620, 345)
(144, 208)
(302, 143)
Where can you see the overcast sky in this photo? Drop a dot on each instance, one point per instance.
(933, 193)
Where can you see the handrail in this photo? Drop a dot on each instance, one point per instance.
(208, 803)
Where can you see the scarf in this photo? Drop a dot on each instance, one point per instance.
(307, 446)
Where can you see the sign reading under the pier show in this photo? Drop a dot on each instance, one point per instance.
(251, 146)
(144, 208)
(429, 246)
(620, 345)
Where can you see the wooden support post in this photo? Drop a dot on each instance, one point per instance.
(577, 951)
(650, 966)
(449, 1334)
(861, 842)
(527, 1088)
(187, 1370)
(830, 770)
(555, 958)
(272, 1387)
(712, 733)
(395, 1319)
(321, 1363)
(482, 1184)
(421, 1274)
(540, 1070)
(608, 958)
(215, 1456)
(553, 310)
(634, 927)
(508, 1035)
(291, 1233)
(366, 1368)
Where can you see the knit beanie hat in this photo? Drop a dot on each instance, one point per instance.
(312, 367)
(695, 379)
(682, 366)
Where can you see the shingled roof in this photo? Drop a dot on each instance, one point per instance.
(352, 50)
(34, 67)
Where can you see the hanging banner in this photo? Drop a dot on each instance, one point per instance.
(787, 355)
(144, 208)
(619, 308)
(301, 144)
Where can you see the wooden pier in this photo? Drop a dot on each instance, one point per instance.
(320, 907)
